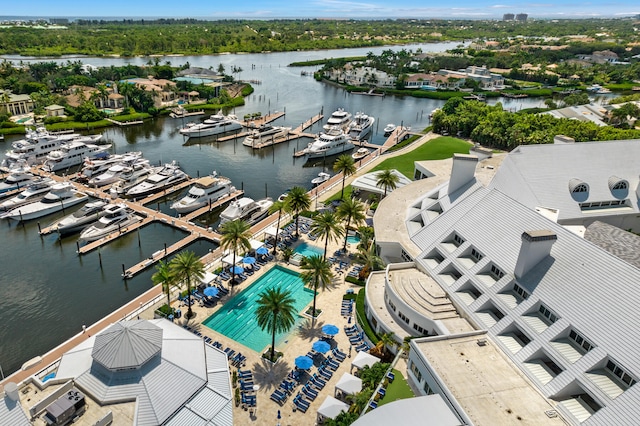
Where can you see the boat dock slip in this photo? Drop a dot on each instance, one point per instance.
(186, 114)
(310, 122)
(233, 136)
(175, 188)
(113, 236)
(160, 254)
(124, 123)
(260, 121)
(209, 207)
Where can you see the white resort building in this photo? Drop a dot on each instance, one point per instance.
(518, 319)
(134, 372)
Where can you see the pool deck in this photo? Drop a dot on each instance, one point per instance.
(268, 376)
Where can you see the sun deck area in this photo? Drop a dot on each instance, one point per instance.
(487, 385)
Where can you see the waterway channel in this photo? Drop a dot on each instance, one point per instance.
(47, 292)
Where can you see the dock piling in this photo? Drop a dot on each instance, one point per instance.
(100, 259)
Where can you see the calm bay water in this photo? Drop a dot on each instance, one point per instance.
(47, 292)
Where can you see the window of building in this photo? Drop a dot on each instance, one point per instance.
(580, 340)
(476, 255)
(621, 185)
(496, 272)
(520, 291)
(416, 372)
(427, 389)
(406, 256)
(418, 328)
(546, 312)
(458, 240)
(403, 317)
(393, 307)
(581, 188)
(620, 373)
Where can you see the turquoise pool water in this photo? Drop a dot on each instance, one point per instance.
(307, 250)
(237, 320)
(353, 239)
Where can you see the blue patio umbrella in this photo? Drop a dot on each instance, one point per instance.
(211, 291)
(238, 269)
(321, 346)
(262, 250)
(330, 329)
(303, 362)
(249, 260)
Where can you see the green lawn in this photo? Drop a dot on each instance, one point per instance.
(436, 149)
(398, 389)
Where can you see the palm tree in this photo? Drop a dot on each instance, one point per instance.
(164, 276)
(370, 259)
(235, 235)
(185, 267)
(345, 164)
(317, 273)
(277, 206)
(275, 312)
(359, 400)
(350, 210)
(386, 340)
(387, 180)
(296, 201)
(327, 225)
(366, 237)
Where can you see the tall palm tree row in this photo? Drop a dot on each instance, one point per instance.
(387, 180)
(316, 274)
(186, 266)
(165, 277)
(277, 206)
(235, 236)
(351, 210)
(297, 201)
(326, 225)
(275, 312)
(344, 164)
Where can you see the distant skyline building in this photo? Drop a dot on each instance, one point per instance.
(522, 17)
(508, 17)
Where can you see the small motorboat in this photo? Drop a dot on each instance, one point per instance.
(117, 217)
(389, 128)
(322, 177)
(360, 153)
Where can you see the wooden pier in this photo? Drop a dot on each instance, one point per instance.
(310, 122)
(175, 188)
(124, 123)
(124, 231)
(261, 121)
(294, 134)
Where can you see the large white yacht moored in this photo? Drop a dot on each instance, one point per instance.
(36, 145)
(73, 154)
(339, 118)
(92, 167)
(361, 126)
(129, 179)
(113, 173)
(332, 142)
(19, 177)
(81, 218)
(34, 192)
(264, 134)
(116, 218)
(246, 209)
(61, 196)
(214, 125)
(169, 175)
(205, 190)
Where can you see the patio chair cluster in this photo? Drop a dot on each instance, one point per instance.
(247, 388)
(235, 358)
(286, 388)
(356, 338)
(355, 272)
(346, 309)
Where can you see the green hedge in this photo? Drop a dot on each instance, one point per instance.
(362, 318)
(354, 280)
(76, 125)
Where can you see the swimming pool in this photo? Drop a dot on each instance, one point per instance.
(306, 249)
(237, 320)
(353, 239)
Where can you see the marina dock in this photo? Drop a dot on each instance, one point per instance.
(294, 134)
(124, 123)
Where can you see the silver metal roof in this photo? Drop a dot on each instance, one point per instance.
(540, 175)
(126, 345)
(11, 413)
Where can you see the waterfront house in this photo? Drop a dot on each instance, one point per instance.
(486, 79)
(13, 104)
(163, 91)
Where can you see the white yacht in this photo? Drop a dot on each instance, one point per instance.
(205, 190)
(265, 134)
(113, 173)
(214, 125)
(92, 167)
(332, 142)
(19, 177)
(129, 179)
(360, 127)
(169, 175)
(34, 147)
(321, 178)
(246, 209)
(34, 192)
(339, 118)
(62, 195)
(81, 218)
(73, 154)
(116, 218)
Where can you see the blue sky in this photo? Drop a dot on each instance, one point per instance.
(318, 8)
